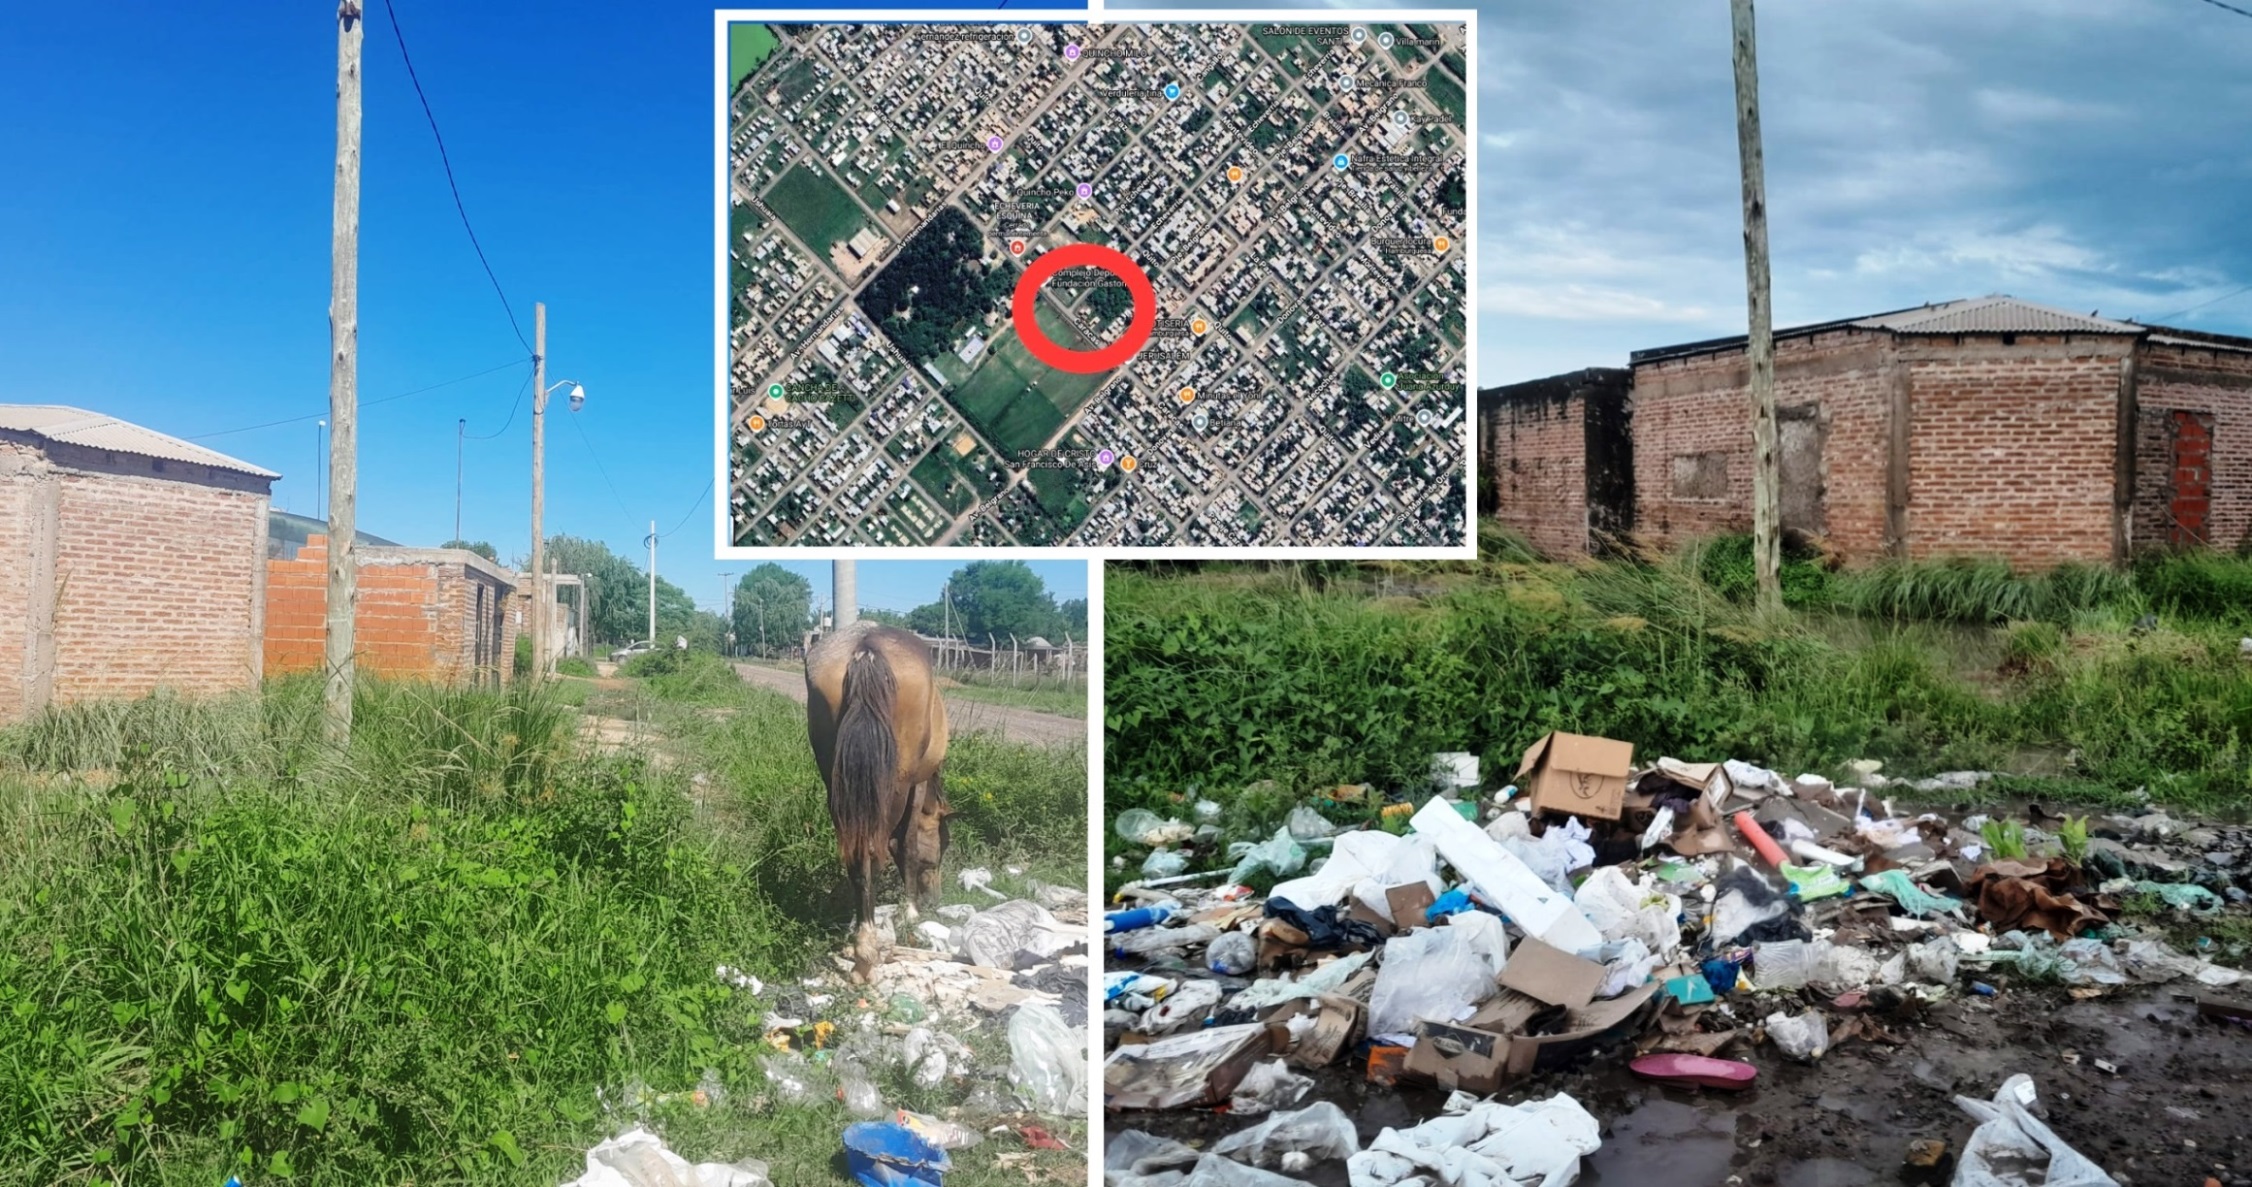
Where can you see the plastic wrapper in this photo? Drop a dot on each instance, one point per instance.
(1325, 979)
(2187, 896)
(1233, 954)
(1484, 1144)
(1215, 1171)
(1745, 901)
(1786, 964)
(1841, 967)
(1436, 974)
(1935, 960)
(1622, 908)
(1321, 1131)
(1279, 856)
(994, 936)
(795, 1081)
(639, 1158)
(1185, 1007)
(1266, 1087)
(1814, 883)
(1305, 824)
(1914, 899)
(1134, 1158)
(1553, 855)
(1164, 863)
(1140, 826)
(1887, 834)
(1626, 964)
(939, 1132)
(2013, 1148)
(1801, 1036)
(1047, 1062)
(1152, 940)
(860, 1096)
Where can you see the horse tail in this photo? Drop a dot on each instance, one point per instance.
(867, 760)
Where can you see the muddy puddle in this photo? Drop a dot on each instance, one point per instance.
(2178, 1110)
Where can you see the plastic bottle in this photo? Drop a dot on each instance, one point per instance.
(1136, 919)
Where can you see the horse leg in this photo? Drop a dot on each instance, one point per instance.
(864, 949)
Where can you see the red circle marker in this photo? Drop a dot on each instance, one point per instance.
(1016, 247)
(1084, 255)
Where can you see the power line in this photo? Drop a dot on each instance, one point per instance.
(2230, 8)
(2202, 304)
(400, 35)
(596, 458)
(527, 386)
(691, 511)
(364, 404)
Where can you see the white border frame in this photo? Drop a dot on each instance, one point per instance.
(723, 485)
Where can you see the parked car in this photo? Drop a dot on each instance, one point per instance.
(630, 650)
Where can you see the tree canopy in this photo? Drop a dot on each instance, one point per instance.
(773, 608)
(998, 599)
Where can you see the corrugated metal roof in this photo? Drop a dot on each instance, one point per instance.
(1994, 315)
(92, 430)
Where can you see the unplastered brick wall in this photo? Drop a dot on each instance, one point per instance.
(2013, 447)
(420, 613)
(1693, 437)
(2198, 387)
(126, 574)
(1536, 457)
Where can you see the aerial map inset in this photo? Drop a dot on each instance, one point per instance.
(1133, 284)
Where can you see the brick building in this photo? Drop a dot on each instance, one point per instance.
(1987, 427)
(443, 614)
(133, 561)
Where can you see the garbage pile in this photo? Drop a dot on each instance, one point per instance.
(1676, 912)
(1016, 970)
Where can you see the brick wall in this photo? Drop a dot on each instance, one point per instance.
(422, 614)
(1536, 456)
(1693, 440)
(2196, 385)
(126, 574)
(2013, 448)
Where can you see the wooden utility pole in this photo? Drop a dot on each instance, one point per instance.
(1767, 528)
(343, 380)
(539, 489)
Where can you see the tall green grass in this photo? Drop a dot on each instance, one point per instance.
(226, 949)
(1223, 679)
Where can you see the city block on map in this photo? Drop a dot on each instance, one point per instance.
(1132, 284)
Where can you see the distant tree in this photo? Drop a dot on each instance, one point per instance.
(772, 602)
(931, 620)
(1074, 615)
(887, 618)
(479, 547)
(617, 590)
(1002, 598)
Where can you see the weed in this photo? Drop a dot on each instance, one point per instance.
(2072, 836)
(2005, 839)
(575, 665)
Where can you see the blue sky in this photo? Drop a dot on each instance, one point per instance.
(165, 232)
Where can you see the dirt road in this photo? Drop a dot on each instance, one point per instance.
(962, 715)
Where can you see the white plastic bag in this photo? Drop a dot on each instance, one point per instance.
(638, 1158)
(1047, 1062)
(1436, 974)
(1553, 855)
(2013, 1148)
(1786, 964)
(1622, 908)
(1935, 960)
(1266, 1087)
(1320, 1130)
(1280, 855)
(1804, 1037)
(1487, 1145)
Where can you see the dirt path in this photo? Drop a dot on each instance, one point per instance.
(963, 716)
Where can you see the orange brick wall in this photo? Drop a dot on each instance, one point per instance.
(416, 618)
(21, 468)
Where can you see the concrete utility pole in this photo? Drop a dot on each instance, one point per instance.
(652, 584)
(1767, 528)
(343, 380)
(848, 598)
(461, 427)
(539, 489)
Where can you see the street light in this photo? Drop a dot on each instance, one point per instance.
(542, 597)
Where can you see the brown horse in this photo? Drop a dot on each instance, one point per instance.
(879, 736)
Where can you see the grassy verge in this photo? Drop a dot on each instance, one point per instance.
(1310, 675)
(1061, 700)
(448, 955)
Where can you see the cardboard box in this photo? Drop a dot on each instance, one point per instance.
(1483, 1061)
(1546, 973)
(1408, 902)
(1577, 774)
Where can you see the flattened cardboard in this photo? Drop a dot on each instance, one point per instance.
(1583, 1028)
(1408, 902)
(1707, 779)
(1577, 774)
(1457, 1058)
(1183, 1071)
(1512, 1013)
(1550, 974)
